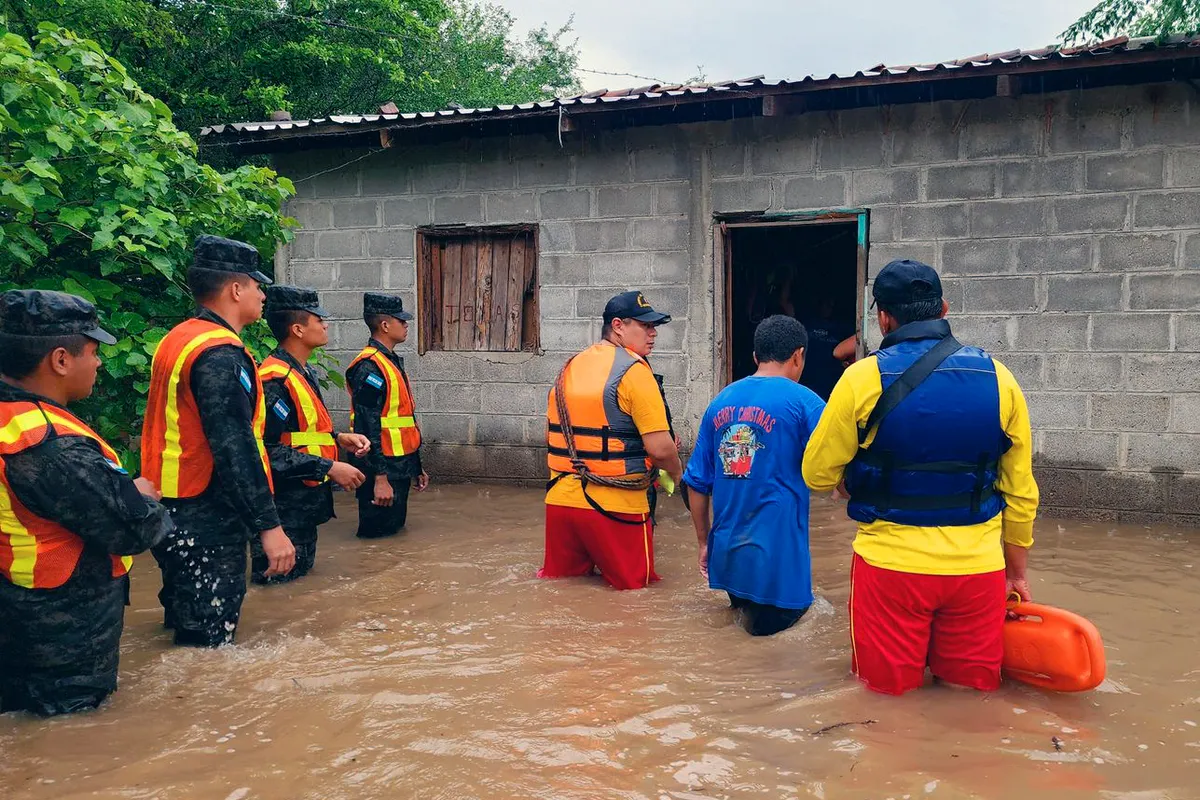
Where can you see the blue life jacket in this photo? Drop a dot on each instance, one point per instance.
(935, 458)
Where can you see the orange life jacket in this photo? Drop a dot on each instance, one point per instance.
(606, 438)
(36, 553)
(399, 433)
(315, 435)
(175, 452)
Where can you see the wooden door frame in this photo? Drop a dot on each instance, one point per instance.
(723, 272)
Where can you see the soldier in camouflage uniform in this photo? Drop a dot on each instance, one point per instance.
(202, 445)
(70, 515)
(300, 439)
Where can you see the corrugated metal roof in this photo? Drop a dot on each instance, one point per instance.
(1112, 50)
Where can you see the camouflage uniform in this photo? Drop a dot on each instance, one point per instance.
(59, 647)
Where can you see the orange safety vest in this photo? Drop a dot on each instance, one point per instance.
(36, 553)
(315, 436)
(606, 438)
(175, 452)
(399, 433)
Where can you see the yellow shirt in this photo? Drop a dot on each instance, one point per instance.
(955, 550)
(637, 396)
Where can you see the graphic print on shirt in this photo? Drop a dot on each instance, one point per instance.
(739, 445)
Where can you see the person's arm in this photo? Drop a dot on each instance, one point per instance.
(698, 483)
(368, 397)
(846, 349)
(68, 480)
(1016, 482)
(288, 463)
(660, 446)
(834, 443)
(638, 396)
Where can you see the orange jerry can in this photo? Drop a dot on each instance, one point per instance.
(1052, 649)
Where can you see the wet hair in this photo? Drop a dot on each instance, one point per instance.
(21, 355)
(205, 284)
(777, 338)
(281, 322)
(920, 311)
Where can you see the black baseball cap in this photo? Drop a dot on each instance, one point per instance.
(904, 281)
(294, 298)
(227, 255)
(41, 313)
(632, 305)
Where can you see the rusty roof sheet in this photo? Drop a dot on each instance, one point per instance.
(1110, 51)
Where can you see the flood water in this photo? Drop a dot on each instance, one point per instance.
(436, 665)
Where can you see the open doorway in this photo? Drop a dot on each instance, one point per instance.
(810, 269)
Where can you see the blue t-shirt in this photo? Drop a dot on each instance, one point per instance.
(747, 457)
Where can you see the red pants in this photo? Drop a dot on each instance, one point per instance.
(900, 622)
(578, 539)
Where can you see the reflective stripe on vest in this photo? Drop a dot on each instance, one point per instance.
(175, 452)
(36, 553)
(315, 435)
(934, 460)
(399, 434)
(606, 438)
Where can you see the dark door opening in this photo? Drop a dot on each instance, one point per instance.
(813, 271)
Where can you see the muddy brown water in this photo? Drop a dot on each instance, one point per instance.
(436, 665)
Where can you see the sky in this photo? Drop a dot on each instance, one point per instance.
(674, 40)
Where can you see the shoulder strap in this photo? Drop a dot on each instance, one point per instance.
(908, 381)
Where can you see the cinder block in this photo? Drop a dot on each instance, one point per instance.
(814, 191)
(315, 274)
(1168, 210)
(456, 209)
(1187, 333)
(489, 176)
(1165, 292)
(1162, 451)
(853, 149)
(563, 270)
(356, 214)
(311, 216)
(1083, 293)
(570, 334)
(1057, 410)
(625, 201)
(343, 305)
(1124, 252)
(556, 237)
(1053, 333)
(884, 224)
(1130, 332)
(978, 257)
(390, 243)
(998, 218)
(660, 165)
(989, 295)
(1185, 413)
(660, 234)
(445, 428)
(620, 269)
(519, 398)
(670, 267)
(1059, 487)
(515, 463)
(741, 195)
(1116, 172)
(1083, 371)
(670, 337)
(768, 157)
(1130, 412)
(495, 429)
(1090, 213)
(726, 161)
(1027, 368)
(510, 207)
(565, 204)
(1125, 491)
(1053, 254)
(601, 236)
(456, 396)
(1191, 251)
(869, 188)
(360, 275)
(881, 254)
(924, 222)
(384, 179)
(990, 333)
(556, 303)
(592, 169)
(1040, 176)
(1085, 449)
(399, 274)
(1162, 372)
(1075, 129)
(436, 178)
(671, 300)
(1003, 137)
(341, 183)
(1183, 167)
(926, 133)
(544, 171)
(1168, 121)
(302, 247)
(672, 198)
(542, 370)
(407, 212)
(340, 244)
(961, 182)
(453, 460)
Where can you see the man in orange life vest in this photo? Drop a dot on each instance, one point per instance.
(382, 409)
(602, 463)
(202, 445)
(70, 515)
(301, 443)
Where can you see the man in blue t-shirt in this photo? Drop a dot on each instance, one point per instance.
(745, 469)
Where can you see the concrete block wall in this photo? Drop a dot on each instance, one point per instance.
(1065, 228)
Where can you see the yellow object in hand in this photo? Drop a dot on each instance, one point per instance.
(666, 483)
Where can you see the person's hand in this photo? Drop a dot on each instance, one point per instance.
(346, 475)
(422, 481)
(842, 492)
(383, 492)
(147, 487)
(354, 443)
(703, 560)
(1019, 586)
(280, 552)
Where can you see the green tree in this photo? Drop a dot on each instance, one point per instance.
(229, 60)
(102, 196)
(1111, 18)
